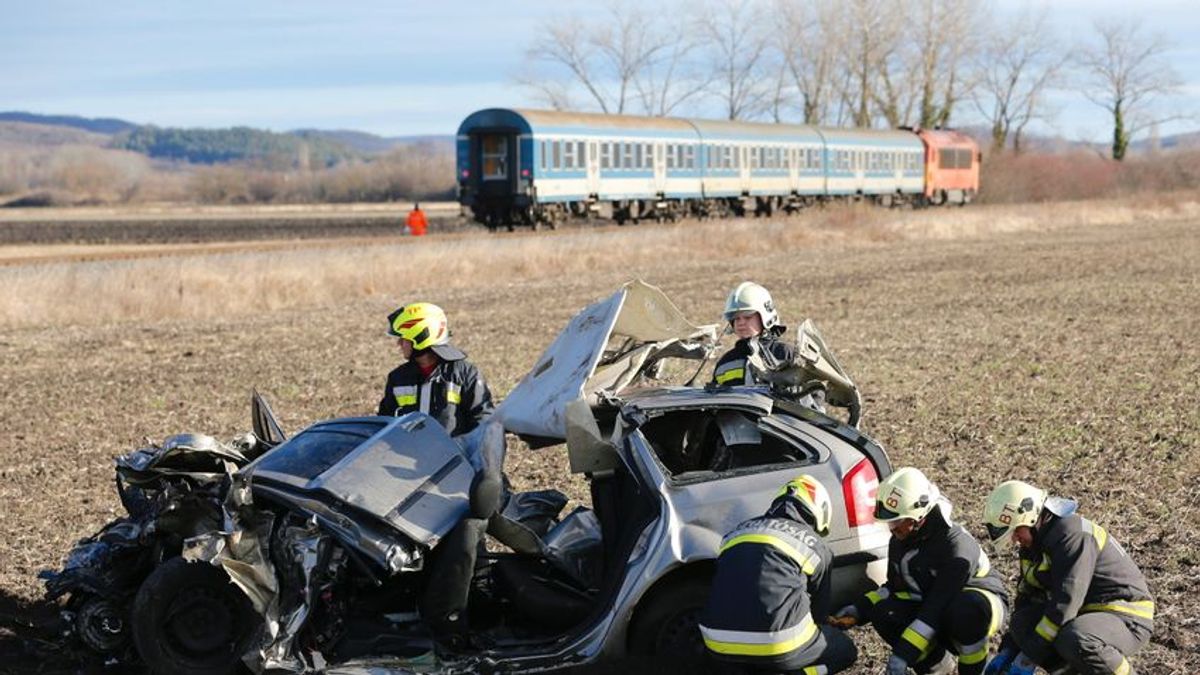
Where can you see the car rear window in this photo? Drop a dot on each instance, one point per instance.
(316, 449)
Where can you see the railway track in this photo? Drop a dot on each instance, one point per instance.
(13, 255)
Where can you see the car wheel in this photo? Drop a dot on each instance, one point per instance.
(188, 617)
(670, 625)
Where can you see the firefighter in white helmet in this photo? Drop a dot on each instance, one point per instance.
(752, 317)
(1081, 601)
(942, 599)
(771, 592)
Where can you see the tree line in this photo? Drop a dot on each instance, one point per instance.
(237, 144)
(862, 63)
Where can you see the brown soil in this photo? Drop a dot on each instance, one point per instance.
(1067, 357)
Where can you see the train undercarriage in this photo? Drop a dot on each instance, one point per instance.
(505, 214)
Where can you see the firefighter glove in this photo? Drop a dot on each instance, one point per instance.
(1022, 665)
(846, 617)
(1000, 662)
(896, 665)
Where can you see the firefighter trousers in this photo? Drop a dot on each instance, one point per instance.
(1095, 643)
(969, 620)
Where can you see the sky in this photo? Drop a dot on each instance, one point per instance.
(389, 67)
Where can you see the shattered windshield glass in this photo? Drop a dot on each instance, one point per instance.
(310, 453)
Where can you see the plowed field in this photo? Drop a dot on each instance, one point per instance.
(1068, 356)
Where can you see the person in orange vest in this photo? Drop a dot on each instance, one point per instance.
(416, 221)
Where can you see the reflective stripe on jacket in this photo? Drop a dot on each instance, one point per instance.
(454, 394)
(770, 592)
(733, 368)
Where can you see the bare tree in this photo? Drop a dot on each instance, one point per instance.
(670, 79)
(735, 50)
(605, 61)
(1125, 73)
(943, 33)
(870, 32)
(1019, 62)
(808, 45)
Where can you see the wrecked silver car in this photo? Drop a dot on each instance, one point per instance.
(313, 552)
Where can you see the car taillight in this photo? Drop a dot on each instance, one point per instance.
(858, 489)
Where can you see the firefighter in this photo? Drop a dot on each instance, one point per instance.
(752, 317)
(436, 377)
(417, 223)
(771, 593)
(941, 597)
(1081, 601)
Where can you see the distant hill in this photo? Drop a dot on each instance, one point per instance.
(47, 135)
(102, 125)
(372, 144)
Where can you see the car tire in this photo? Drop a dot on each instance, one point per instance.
(670, 624)
(189, 618)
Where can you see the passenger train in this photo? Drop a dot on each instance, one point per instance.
(535, 167)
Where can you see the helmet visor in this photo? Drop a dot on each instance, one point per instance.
(884, 514)
(997, 532)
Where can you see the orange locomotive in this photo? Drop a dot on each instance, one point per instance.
(951, 167)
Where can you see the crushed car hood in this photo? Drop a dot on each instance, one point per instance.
(605, 348)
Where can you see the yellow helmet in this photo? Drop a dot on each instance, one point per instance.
(812, 498)
(421, 323)
(1011, 505)
(906, 493)
(749, 296)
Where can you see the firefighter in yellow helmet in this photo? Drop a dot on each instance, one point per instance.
(771, 592)
(1081, 600)
(942, 601)
(436, 377)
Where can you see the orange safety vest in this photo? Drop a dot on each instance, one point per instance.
(417, 223)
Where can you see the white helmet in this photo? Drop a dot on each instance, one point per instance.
(749, 296)
(1011, 505)
(906, 493)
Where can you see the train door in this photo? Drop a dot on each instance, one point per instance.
(497, 153)
(660, 168)
(593, 167)
(743, 156)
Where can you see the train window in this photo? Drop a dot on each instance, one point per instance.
(648, 157)
(605, 155)
(495, 157)
(671, 155)
(964, 158)
(542, 152)
(637, 156)
(689, 156)
(568, 155)
(581, 154)
(945, 158)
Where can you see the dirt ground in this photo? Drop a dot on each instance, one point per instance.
(1067, 357)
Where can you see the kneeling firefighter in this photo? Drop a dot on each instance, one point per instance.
(941, 595)
(771, 592)
(1081, 601)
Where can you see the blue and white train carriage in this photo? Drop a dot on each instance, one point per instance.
(533, 167)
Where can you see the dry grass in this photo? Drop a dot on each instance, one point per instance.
(232, 284)
(1056, 344)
